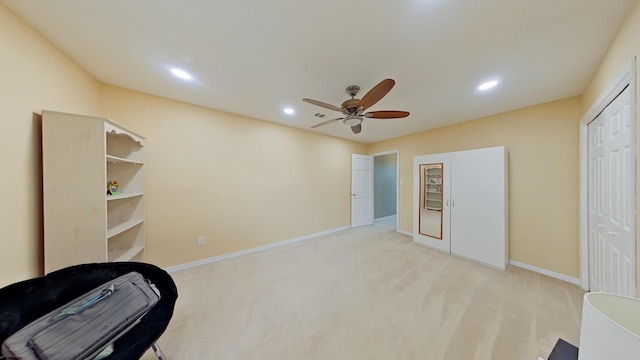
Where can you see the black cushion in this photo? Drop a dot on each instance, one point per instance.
(564, 351)
(26, 301)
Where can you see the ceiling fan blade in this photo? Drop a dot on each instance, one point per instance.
(322, 104)
(386, 114)
(378, 92)
(326, 122)
(356, 128)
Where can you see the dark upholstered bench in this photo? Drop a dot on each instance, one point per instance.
(25, 301)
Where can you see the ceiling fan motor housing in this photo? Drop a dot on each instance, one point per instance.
(350, 107)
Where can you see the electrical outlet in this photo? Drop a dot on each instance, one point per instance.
(316, 220)
(201, 241)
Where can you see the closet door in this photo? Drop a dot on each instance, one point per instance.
(612, 199)
(431, 193)
(479, 205)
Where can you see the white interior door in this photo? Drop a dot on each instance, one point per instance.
(611, 202)
(361, 190)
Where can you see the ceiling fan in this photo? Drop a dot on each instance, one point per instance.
(354, 109)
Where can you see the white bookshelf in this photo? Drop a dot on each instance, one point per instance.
(115, 160)
(122, 227)
(124, 254)
(83, 224)
(123, 196)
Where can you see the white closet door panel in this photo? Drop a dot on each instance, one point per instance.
(611, 199)
(478, 205)
(597, 210)
(621, 222)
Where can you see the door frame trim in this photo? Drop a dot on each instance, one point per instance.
(626, 78)
(397, 152)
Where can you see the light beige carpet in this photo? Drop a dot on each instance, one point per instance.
(366, 293)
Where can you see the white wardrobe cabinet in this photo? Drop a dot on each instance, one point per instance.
(474, 213)
(81, 155)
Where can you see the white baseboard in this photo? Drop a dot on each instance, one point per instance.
(193, 264)
(542, 271)
(405, 232)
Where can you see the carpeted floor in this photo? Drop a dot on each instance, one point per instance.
(367, 293)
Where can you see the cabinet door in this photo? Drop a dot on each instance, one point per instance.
(431, 191)
(479, 205)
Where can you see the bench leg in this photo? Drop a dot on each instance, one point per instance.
(158, 351)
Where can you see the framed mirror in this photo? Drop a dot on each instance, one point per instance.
(431, 200)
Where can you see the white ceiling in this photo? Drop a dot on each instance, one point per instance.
(255, 57)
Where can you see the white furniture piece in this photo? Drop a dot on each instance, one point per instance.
(474, 214)
(610, 327)
(82, 223)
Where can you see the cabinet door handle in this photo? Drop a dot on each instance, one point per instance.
(447, 202)
(453, 203)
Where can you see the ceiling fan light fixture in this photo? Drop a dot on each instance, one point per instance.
(289, 111)
(352, 121)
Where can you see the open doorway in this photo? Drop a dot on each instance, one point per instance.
(385, 188)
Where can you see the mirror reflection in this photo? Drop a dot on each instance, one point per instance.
(431, 200)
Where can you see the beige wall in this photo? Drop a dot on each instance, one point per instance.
(34, 75)
(624, 48)
(542, 141)
(239, 182)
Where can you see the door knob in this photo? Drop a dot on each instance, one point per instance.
(353, 194)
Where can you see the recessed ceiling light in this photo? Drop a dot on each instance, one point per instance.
(289, 111)
(181, 74)
(488, 85)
